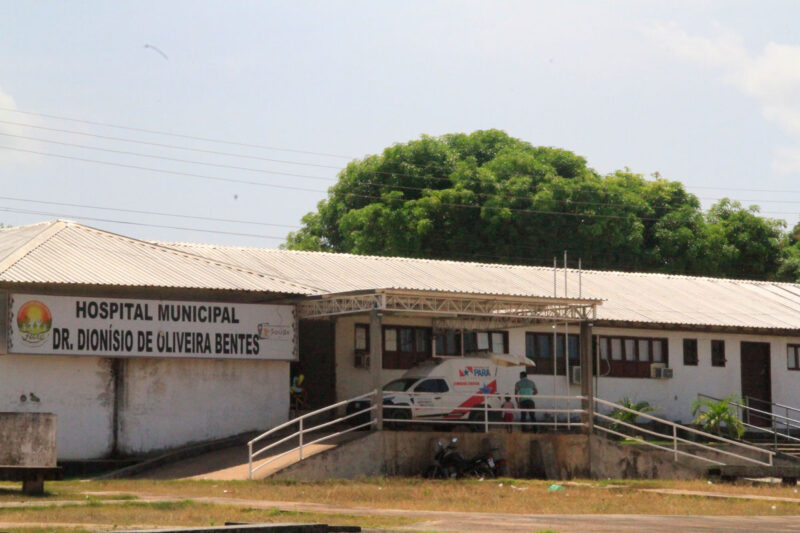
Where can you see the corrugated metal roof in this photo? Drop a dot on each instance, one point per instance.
(69, 253)
(628, 297)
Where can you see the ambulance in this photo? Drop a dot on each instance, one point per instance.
(451, 388)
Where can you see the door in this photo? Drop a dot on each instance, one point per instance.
(317, 361)
(756, 381)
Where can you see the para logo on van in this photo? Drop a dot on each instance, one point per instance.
(474, 372)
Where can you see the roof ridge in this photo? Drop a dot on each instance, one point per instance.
(485, 265)
(163, 247)
(50, 229)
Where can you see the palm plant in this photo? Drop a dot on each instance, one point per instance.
(628, 417)
(713, 415)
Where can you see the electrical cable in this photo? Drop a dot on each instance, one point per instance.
(177, 135)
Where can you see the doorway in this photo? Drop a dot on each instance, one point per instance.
(757, 381)
(317, 361)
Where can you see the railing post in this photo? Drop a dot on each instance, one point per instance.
(675, 442)
(376, 362)
(786, 421)
(774, 434)
(587, 385)
(301, 439)
(250, 460)
(486, 416)
(378, 403)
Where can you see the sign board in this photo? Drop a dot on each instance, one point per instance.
(116, 327)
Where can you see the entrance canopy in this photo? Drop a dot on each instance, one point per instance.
(453, 310)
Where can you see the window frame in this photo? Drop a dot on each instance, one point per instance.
(718, 358)
(630, 364)
(470, 339)
(690, 356)
(399, 359)
(544, 364)
(796, 349)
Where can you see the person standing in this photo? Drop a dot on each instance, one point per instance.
(508, 413)
(525, 390)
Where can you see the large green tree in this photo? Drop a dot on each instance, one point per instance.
(486, 196)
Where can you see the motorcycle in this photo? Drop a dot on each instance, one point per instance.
(486, 465)
(448, 463)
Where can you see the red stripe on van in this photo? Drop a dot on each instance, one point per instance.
(472, 401)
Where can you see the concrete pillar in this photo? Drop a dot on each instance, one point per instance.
(376, 362)
(587, 382)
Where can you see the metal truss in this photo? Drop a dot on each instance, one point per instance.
(509, 311)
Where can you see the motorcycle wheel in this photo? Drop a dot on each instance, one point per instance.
(434, 472)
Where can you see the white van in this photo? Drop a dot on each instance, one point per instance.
(452, 386)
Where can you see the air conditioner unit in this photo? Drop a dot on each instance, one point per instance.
(660, 371)
(575, 375)
(664, 373)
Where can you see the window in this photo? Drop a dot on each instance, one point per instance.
(539, 348)
(361, 351)
(630, 357)
(690, 352)
(448, 342)
(793, 357)
(432, 385)
(405, 346)
(717, 353)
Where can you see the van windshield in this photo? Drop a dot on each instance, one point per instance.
(400, 385)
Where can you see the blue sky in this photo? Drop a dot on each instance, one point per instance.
(703, 92)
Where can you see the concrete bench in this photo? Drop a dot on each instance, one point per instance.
(32, 477)
(788, 474)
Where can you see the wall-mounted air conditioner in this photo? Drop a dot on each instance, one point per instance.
(660, 371)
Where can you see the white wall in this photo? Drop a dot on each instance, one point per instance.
(673, 397)
(77, 389)
(170, 402)
(165, 402)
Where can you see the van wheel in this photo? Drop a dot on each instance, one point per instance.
(398, 414)
(477, 419)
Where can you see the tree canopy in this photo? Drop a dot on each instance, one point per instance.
(489, 197)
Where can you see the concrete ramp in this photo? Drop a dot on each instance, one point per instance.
(230, 462)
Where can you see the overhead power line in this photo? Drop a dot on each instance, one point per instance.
(149, 213)
(170, 146)
(305, 176)
(127, 222)
(300, 163)
(303, 189)
(170, 134)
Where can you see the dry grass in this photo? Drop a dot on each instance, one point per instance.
(514, 496)
(108, 504)
(178, 513)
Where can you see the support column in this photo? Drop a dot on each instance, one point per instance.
(376, 363)
(587, 382)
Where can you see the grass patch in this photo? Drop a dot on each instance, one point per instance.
(111, 504)
(179, 513)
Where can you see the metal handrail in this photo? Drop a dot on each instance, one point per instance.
(463, 412)
(788, 423)
(758, 411)
(302, 431)
(782, 406)
(675, 439)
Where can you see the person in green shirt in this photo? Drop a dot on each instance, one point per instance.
(525, 389)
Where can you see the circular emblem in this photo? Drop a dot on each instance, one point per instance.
(34, 322)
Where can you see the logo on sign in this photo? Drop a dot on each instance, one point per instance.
(474, 371)
(34, 322)
(268, 331)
